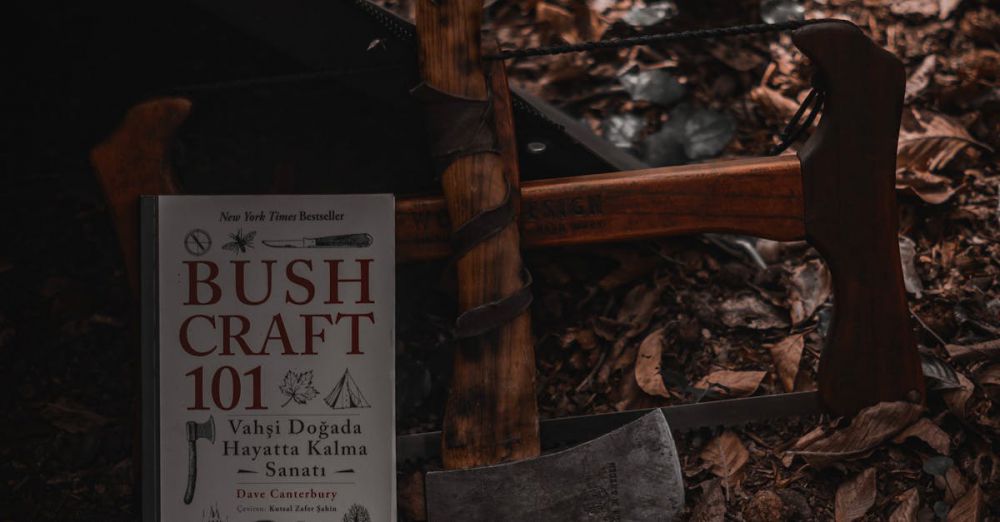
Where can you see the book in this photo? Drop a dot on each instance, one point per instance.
(268, 358)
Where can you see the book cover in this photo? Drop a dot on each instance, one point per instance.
(268, 358)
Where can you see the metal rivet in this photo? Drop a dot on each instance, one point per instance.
(536, 147)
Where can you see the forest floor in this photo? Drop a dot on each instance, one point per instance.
(710, 315)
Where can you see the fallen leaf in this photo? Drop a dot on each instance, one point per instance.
(985, 350)
(637, 308)
(810, 286)
(947, 7)
(953, 483)
(855, 497)
(906, 510)
(765, 506)
(958, 398)
(918, 81)
(787, 354)
(939, 373)
(989, 375)
(872, 426)
(911, 279)
(775, 105)
(925, 430)
(631, 266)
(929, 141)
(72, 417)
(732, 383)
(712, 505)
(559, 20)
(930, 188)
(750, 311)
(725, 456)
(653, 85)
(647, 365)
(969, 508)
(915, 7)
(652, 14)
(738, 57)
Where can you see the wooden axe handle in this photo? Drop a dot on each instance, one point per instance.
(758, 197)
(491, 415)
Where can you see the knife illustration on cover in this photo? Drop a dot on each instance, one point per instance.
(341, 241)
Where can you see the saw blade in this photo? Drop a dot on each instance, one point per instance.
(566, 431)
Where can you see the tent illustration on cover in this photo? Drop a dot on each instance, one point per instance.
(346, 394)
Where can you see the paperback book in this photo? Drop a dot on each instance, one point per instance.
(268, 357)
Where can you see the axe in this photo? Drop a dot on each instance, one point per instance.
(195, 431)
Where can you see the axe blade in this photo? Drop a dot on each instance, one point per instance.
(629, 474)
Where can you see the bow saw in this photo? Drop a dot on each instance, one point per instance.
(837, 193)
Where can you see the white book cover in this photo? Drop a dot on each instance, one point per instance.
(268, 358)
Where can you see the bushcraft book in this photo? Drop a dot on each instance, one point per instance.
(268, 358)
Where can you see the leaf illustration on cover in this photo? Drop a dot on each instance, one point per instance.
(298, 387)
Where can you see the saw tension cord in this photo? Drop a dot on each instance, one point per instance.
(795, 128)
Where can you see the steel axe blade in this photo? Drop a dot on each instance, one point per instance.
(631, 473)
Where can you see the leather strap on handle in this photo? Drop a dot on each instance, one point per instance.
(491, 415)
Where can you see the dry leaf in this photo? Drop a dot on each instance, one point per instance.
(750, 311)
(958, 398)
(989, 376)
(914, 7)
(637, 309)
(918, 81)
(72, 417)
(947, 7)
(647, 365)
(559, 20)
(725, 456)
(906, 510)
(969, 508)
(911, 278)
(953, 483)
(631, 266)
(925, 430)
(732, 383)
(787, 355)
(765, 506)
(774, 105)
(929, 141)
(811, 285)
(930, 188)
(712, 506)
(872, 426)
(855, 497)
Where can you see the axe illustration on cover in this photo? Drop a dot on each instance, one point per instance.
(196, 430)
(836, 192)
(339, 241)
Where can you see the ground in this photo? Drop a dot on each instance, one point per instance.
(733, 316)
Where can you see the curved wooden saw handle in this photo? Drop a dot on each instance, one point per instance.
(848, 176)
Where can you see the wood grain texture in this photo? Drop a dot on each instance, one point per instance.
(758, 197)
(133, 161)
(848, 175)
(491, 415)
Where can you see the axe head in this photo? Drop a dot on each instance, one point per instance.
(201, 430)
(631, 473)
